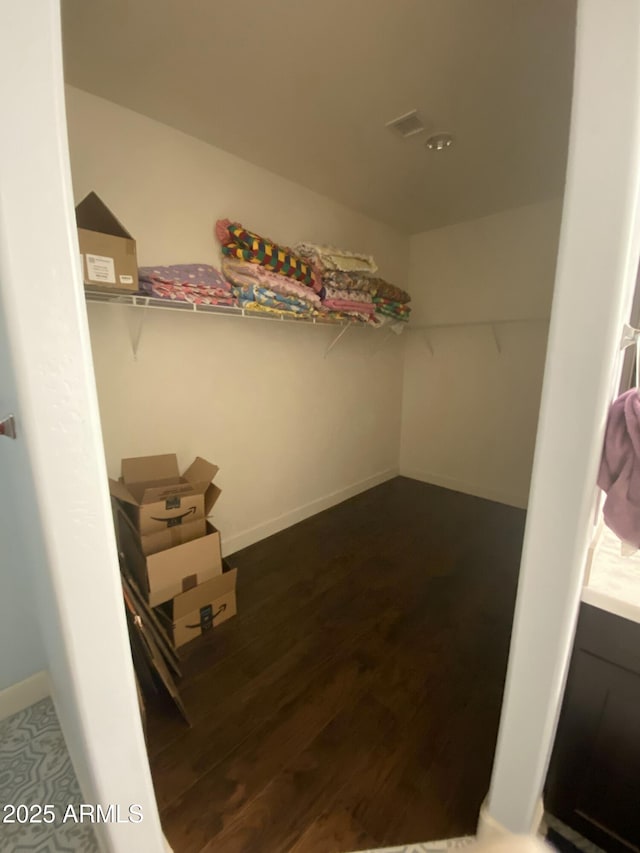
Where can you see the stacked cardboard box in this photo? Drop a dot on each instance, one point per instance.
(171, 548)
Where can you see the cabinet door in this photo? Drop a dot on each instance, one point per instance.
(594, 777)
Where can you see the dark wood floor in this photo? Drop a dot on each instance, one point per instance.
(354, 700)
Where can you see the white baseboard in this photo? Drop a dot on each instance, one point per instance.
(490, 829)
(19, 696)
(275, 525)
(488, 493)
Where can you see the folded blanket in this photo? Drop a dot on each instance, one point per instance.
(263, 296)
(244, 245)
(248, 305)
(201, 275)
(389, 291)
(183, 293)
(243, 274)
(198, 284)
(391, 303)
(330, 258)
(346, 305)
(366, 283)
(389, 308)
(329, 292)
(349, 281)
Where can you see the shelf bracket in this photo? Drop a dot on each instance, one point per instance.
(629, 336)
(337, 338)
(135, 323)
(386, 336)
(427, 340)
(496, 339)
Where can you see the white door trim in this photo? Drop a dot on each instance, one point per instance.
(74, 574)
(597, 265)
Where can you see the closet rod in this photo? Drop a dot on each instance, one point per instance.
(422, 326)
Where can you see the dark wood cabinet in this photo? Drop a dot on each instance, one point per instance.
(593, 783)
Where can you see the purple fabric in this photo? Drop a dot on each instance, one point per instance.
(619, 473)
(189, 274)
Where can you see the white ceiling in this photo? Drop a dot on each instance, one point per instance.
(304, 88)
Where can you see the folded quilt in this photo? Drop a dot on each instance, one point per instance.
(245, 274)
(197, 295)
(346, 305)
(248, 305)
(244, 245)
(198, 284)
(389, 291)
(329, 292)
(262, 296)
(389, 308)
(366, 283)
(391, 303)
(330, 258)
(349, 281)
(201, 275)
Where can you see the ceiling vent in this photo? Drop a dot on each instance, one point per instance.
(407, 125)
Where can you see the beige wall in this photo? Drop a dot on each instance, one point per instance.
(291, 430)
(469, 412)
(294, 431)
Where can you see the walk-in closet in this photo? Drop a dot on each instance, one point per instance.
(345, 217)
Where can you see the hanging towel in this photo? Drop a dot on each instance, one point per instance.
(619, 473)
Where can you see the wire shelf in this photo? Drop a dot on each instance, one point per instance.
(136, 300)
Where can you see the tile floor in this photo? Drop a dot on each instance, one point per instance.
(35, 768)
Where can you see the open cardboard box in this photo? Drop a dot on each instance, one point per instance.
(200, 609)
(173, 536)
(162, 575)
(156, 497)
(107, 250)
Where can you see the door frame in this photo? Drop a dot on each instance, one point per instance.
(595, 279)
(74, 575)
(77, 589)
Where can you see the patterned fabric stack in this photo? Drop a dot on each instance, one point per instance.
(256, 288)
(392, 303)
(345, 290)
(260, 275)
(388, 309)
(243, 245)
(199, 284)
(349, 285)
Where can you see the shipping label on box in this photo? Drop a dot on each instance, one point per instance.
(101, 269)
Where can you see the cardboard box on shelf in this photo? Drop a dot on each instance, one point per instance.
(156, 497)
(107, 249)
(164, 574)
(200, 609)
